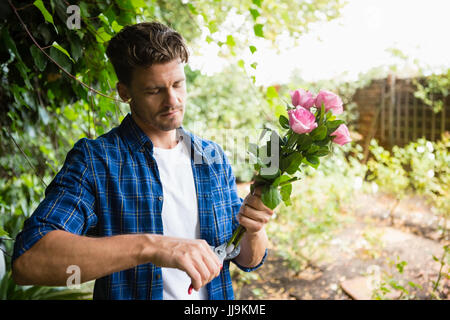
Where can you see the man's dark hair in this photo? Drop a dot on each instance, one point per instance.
(142, 45)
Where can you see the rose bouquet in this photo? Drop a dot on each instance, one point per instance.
(311, 129)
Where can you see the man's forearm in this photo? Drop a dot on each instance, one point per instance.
(47, 261)
(253, 247)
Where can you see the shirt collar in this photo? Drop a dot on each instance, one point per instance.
(137, 139)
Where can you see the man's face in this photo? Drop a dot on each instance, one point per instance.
(158, 95)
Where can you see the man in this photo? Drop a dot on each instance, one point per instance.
(135, 209)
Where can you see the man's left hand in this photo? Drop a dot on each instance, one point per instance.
(254, 215)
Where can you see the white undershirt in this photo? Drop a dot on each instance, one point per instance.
(179, 214)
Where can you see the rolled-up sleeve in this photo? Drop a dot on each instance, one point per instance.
(68, 204)
(236, 203)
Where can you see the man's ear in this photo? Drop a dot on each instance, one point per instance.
(123, 91)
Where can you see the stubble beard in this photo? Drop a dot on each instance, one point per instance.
(159, 122)
(170, 123)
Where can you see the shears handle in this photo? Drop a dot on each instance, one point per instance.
(223, 253)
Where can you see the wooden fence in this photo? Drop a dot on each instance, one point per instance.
(390, 113)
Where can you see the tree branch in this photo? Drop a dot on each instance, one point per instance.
(26, 158)
(51, 59)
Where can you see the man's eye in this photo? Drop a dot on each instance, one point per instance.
(152, 92)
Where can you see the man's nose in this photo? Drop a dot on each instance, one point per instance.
(171, 97)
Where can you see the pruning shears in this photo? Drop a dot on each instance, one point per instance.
(224, 252)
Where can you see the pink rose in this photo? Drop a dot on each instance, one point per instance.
(302, 98)
(301, 120)
(331, 101)
(342, 135)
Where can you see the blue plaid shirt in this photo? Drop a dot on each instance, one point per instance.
(111, 186)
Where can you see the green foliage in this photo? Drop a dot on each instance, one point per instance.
(444, 261)
(10, 291)
(433, 90)
(421, 167)
(388, 287)
(387, 170)
(271, 196)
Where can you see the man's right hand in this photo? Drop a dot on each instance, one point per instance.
(46, 262)
(195, 257)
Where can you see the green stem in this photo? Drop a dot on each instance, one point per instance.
(288, 181)
(237, 236)
(440, 270)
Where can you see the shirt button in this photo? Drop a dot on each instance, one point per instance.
(141, 150)
(160, 198)
(158, 276)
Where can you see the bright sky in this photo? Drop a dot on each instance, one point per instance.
(356, 42)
